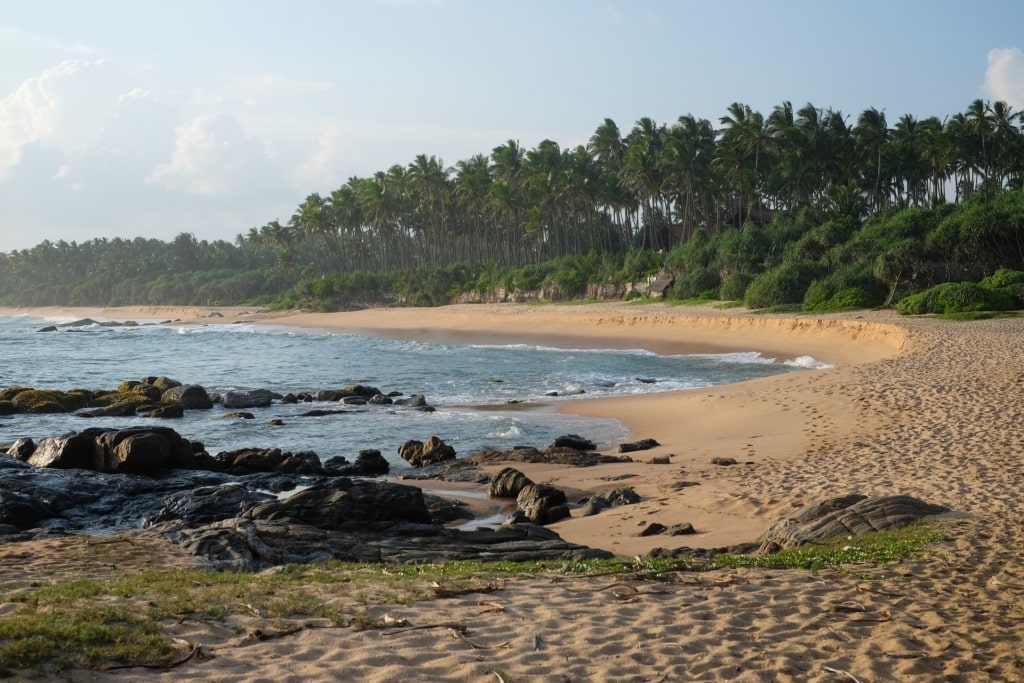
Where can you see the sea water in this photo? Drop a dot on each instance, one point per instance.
(486, 396)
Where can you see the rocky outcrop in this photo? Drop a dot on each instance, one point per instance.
(343, 502)
(641, 445)
(574, 441)
(251, 460)
(561, 455)
(139, 450)
(845, 516)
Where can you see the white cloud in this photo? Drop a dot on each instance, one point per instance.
(324, 165)
(64, 108)
(213, 155)
(1004, 78)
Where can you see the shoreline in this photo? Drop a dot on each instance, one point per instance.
(923, 407)
(721, 421)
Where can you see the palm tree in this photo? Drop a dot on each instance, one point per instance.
(871, 133)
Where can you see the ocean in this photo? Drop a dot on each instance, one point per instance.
(486, 396)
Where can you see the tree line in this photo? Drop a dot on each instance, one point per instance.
(627, 203)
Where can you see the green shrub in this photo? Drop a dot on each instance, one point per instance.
(844, 289)
(786, 284)
(696, 283)
(734, 287)
(955, 297)
(1004, 277)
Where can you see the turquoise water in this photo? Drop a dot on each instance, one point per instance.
(470, 385)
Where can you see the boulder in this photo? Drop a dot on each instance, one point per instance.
(419, 454)
(142, 450)
(641, 445)
(507, 483)
(412, 401)
(22, 510)
(542, 503)
(369, 463)
(845, 516)
(190, 396)
(253, 398)
(69, 451)
(574, 441)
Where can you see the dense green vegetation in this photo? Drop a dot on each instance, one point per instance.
(796, 207)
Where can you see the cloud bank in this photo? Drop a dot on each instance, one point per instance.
(1004, 78)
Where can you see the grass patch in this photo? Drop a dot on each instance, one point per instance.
(118, 619)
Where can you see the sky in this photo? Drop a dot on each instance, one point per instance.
(143, 118)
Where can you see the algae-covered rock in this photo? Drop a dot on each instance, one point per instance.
(7, 408)
(47, 401)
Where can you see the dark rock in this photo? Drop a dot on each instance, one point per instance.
(846, 516)
(275, 422)
(380, 400)
(646, 380)
(642, 445)
(508, 483)
(171, 411)
(76, 450)
(48, 328)
(369, 463)
(339, 503)
(723, 462)
(289, 399)
(444, 510)
(250, 460)
(353, 401)
(419, 454)
(592, 507)
(22, 510)
(621, 496)
(208, 504)
(366, 392)
(190, 396)
(684, 529)
(142, 450)
(412, 401)
(241, 414)
(560, 456)
(252, 398)
(574, 441)
(653, 529)
(543, 503)
(22, 448)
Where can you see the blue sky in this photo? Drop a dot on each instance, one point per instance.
(144, 118)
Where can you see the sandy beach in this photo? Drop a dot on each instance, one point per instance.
(923, 407)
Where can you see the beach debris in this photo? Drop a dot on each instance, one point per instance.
(660, 460)
(641, 445)
(841, 672)
(724, 462)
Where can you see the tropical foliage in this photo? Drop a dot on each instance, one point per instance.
(798, 205)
